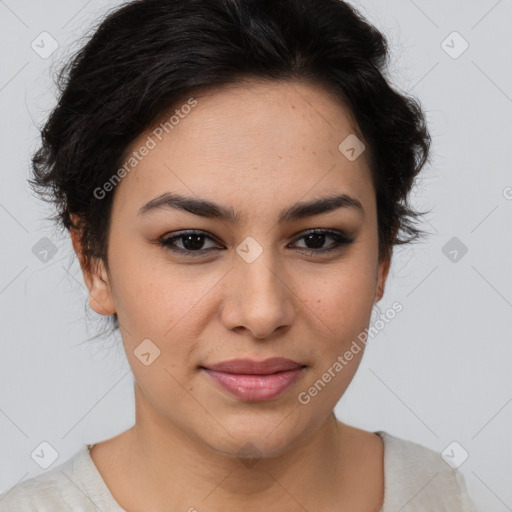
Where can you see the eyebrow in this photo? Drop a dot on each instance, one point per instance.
(209, 209)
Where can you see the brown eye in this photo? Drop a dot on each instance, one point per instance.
(192, 243)
(316, 238)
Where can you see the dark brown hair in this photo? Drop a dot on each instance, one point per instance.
(144, 57)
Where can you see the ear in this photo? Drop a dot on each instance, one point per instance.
(382, 274)
(95, 277)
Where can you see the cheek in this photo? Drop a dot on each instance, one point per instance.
(140, 284)
(338, 311)
(342, 297)
(163, 302)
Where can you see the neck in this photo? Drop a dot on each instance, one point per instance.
(173, 467)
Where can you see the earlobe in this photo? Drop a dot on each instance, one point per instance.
(96, 279)
(382, 274)
(100, 294)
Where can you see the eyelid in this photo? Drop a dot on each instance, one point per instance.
(341, 238)
(175, 235)
(327, 232)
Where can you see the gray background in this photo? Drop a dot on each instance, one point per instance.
(439, 372)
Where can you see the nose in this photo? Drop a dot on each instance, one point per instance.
(258, 298)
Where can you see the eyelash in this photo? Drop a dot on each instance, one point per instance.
(340, 238)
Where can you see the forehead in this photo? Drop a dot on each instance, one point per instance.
(277, 140)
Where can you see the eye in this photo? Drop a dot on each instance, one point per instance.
(316, 238)
(193, 241)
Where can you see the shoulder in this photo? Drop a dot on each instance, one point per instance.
(418, 477)
(56, 490)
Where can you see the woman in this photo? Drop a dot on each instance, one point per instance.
(234, 176)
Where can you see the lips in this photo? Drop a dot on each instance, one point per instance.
(251, 367)
(253, 381)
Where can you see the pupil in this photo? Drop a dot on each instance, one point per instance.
(316, 237)
(197, 241)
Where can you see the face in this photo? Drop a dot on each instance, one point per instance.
(255, 284)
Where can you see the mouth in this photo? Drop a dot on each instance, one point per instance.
(255, 381)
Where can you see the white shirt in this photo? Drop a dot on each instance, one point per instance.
(416, 479)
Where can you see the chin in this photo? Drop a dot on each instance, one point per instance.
(257, 435)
